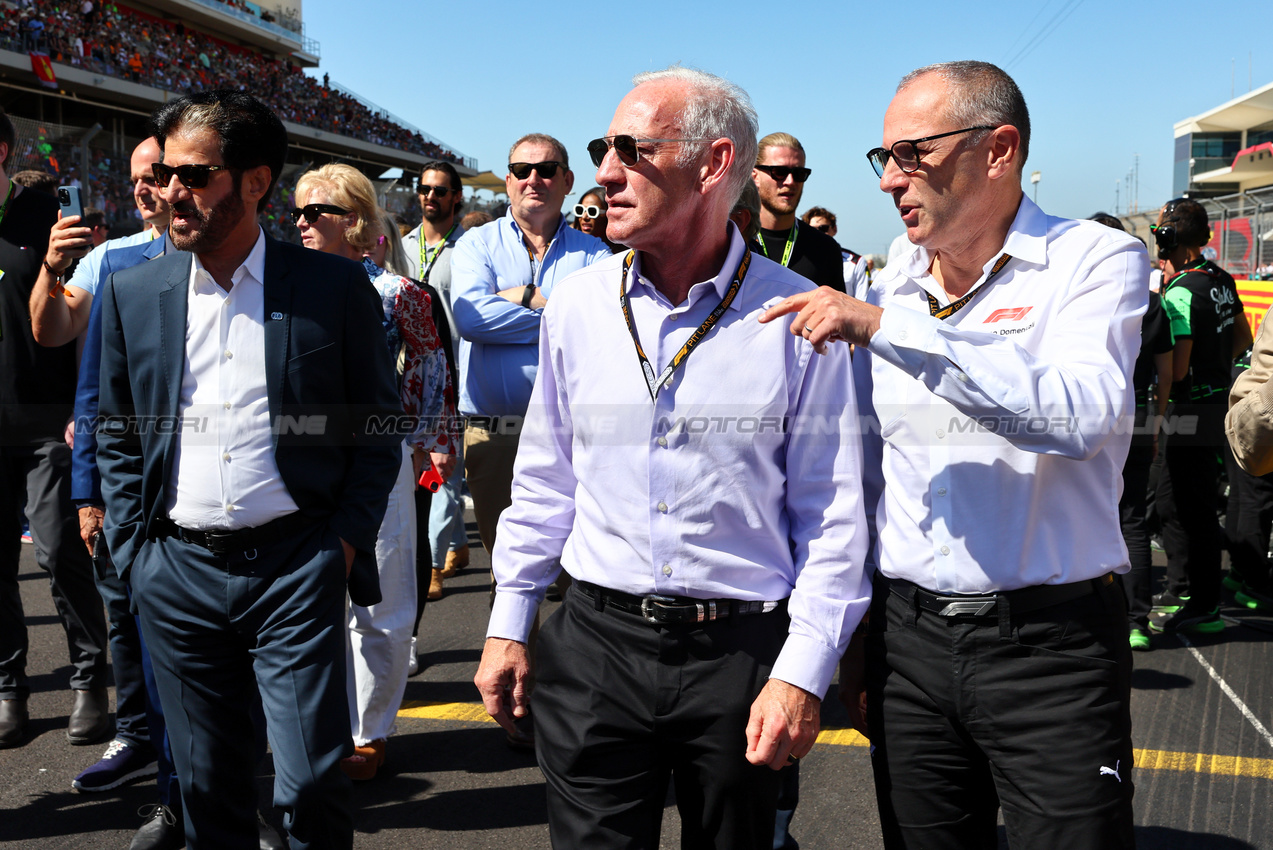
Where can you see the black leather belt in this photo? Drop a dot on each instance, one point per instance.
(496, 424)
(663, 610)
(243, 540)
(1019, 601)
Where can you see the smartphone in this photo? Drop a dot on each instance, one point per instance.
(431, 479)
(69, 199)
(100, 555)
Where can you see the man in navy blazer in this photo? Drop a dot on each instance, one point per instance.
(246, 462)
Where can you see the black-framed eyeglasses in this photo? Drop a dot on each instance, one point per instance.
(626, 147)
(546, 169)
(438, 192)
(906, 155)
(590, 211)
(313, 211)
(192, 176)
(780, 172)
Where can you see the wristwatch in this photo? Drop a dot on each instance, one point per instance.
(527, 294)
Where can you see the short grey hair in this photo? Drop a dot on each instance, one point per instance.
(715, 108)
(980, 93)
(541, 139)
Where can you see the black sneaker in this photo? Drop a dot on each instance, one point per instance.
(123, 762)
(1167, 602)
(1188, 620)
(1256, 600)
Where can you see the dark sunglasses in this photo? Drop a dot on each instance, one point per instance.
(313, 211)
(191, 176)
(625, 147)
(590, 211)
(823, 228)
(438, 192)
(546, 169)
(906, 155)
(779, 172)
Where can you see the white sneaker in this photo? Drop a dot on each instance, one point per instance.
(413, 663)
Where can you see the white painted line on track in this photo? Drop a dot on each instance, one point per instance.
(1228, 691)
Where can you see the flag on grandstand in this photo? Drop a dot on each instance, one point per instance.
(43, 69)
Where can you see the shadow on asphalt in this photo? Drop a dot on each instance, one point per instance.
(1145, 679)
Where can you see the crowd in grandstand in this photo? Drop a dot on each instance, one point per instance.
(121, 42)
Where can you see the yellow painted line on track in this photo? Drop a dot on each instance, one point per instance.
(1259, 768)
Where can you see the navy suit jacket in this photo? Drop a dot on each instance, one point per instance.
(329, 379)
(86, 484)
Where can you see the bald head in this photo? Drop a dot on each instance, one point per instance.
(154, 210)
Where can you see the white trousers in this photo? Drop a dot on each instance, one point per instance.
(379, 646)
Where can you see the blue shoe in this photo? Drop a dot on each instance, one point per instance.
(123, 762)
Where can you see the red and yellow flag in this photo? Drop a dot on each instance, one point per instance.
(43, 69)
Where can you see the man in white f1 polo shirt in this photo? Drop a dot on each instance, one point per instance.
(997, 355)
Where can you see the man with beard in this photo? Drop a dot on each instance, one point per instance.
(428, 249)
(243, 484)
(780, 175)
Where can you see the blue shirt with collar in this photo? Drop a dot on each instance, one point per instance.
(499, 345)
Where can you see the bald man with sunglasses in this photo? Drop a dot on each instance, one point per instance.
(502, 276)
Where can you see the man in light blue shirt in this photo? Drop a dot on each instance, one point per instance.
(502, 276)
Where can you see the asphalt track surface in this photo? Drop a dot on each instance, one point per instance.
(1203, 715)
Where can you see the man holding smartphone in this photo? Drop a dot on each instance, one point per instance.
(37, 388)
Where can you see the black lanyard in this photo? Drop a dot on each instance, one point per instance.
(936, 309)
(1200, 267)
(695, 338)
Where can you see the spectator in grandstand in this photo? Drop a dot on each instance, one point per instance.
(429, 249)
(338, 215)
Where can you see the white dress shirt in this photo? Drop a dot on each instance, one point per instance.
(1005, 427)
(224, 475)
(701, 493)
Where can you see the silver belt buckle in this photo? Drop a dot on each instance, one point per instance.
(647, 606)
(975, 606)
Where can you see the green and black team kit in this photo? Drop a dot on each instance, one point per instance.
(1204, 306)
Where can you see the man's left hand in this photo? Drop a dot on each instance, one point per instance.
(784, 720)
(826, 315)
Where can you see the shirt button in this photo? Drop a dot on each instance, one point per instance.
(662, 441)
(229, 508)
(229, 355)
(662, 507)
(902, 334)
(941, 491)
(945, 550)
(227, 405)
(226, 457)
(940, 434)
(667, 569)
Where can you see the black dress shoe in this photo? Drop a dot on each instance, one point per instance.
(270, 839)
(13, 722)
(90, 717)
(161, 831)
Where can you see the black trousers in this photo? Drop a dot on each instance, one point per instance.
(622, 706)
(43, 474)
(219, 629)
(1187, 502)
(1026, 712)
(1248, 522)
(1138, 582)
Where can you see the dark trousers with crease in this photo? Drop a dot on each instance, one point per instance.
(219, 629)
(622, 707)
(1187, 502)
(1028, 712)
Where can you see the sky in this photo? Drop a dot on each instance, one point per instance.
(1104, 81)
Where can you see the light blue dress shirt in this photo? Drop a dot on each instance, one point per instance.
(88, 272)
(499, 345)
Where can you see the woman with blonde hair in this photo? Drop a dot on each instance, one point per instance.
(338, 214)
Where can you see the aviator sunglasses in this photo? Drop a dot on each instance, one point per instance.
(590, 211)
(625, 147)
(906, 155)
(546, 169)
(191, 176)
(779, 172)
(313, 211)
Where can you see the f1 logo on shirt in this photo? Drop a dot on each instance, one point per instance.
(1008, 314)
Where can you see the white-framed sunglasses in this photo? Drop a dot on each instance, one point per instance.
(590, 211)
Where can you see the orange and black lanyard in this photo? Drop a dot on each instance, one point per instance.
(653, 383)
(936, 309)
